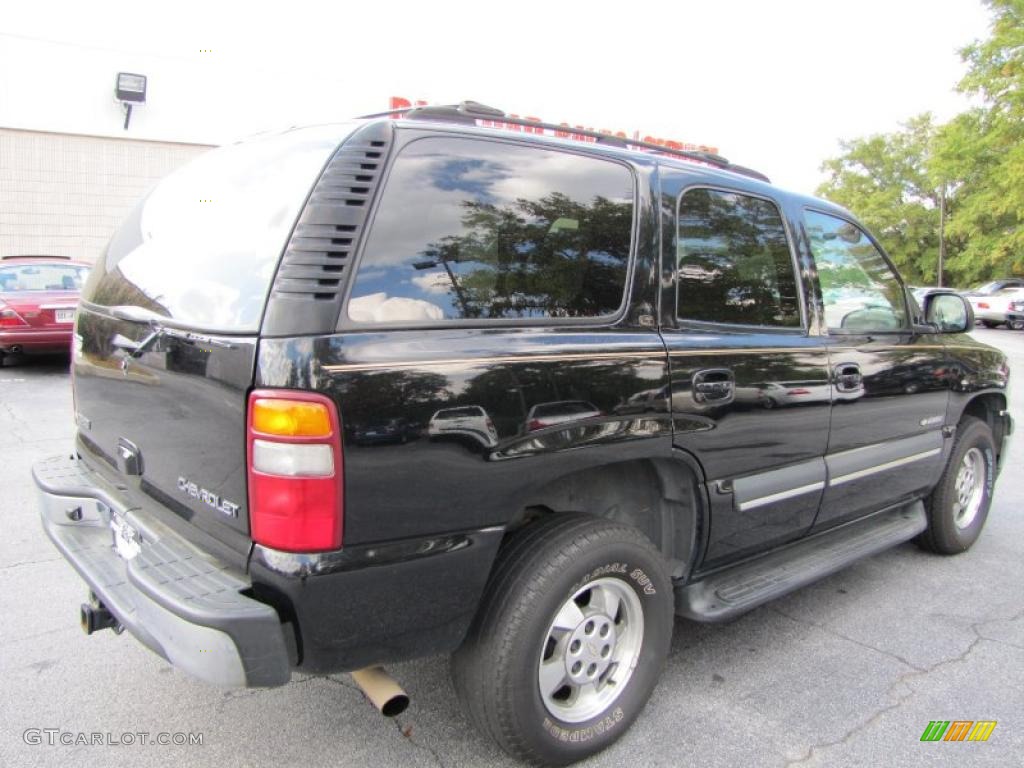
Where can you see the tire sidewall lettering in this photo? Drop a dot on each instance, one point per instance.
(643, 584)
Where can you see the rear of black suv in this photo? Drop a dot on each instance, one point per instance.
(355, 394)
(204, 504)
(153, 509)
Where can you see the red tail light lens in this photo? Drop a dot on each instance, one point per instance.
(9, 318)
(983, 305)
(295, 471)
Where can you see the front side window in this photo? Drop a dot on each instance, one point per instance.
(484, 230)
(733, 261)
(858, 287)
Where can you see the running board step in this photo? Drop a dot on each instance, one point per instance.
(726, 594)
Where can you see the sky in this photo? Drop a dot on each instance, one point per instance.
(773, 85)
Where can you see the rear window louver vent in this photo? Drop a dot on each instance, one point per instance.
(313, 268)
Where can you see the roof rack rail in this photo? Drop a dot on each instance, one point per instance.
(470, 111)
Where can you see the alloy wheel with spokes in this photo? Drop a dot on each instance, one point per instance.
(970, 488)
(958, 506)
(590, 650)
(573, 632)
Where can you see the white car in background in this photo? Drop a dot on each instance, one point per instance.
(1005, 307)
(470, 421)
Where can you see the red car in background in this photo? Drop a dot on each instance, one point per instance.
(38, 297)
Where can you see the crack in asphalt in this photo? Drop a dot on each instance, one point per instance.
(30, 562)
(404, 729)
(904, 680)
(841, 636)
(406, 732)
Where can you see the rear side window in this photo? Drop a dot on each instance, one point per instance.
(733, 261)
(485, 230)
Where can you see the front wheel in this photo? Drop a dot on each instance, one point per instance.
(571, 637)
(958, 507)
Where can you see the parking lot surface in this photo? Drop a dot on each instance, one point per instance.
(847, 672)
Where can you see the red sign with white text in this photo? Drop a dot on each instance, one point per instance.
(399, 102)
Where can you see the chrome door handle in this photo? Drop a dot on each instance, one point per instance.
(848, 377)
(714, 386)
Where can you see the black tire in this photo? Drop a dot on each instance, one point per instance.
(496, 671)
(943, 534)
(1016, 325)
(990, 324)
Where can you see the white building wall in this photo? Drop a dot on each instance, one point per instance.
(70, 171)
(65, 195)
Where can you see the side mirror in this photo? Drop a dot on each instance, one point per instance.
(949, 312)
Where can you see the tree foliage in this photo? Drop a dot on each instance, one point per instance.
(894, 181)
(885, 180)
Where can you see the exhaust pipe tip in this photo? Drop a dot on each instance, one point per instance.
(382, 690)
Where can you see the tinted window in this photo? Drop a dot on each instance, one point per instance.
(460, 413)
(471, 229)
(733, 261)
(859, 289)
(203, 247)
(42, 276)
(558, 409)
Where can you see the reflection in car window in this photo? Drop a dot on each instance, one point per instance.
(734, 262)
(471, 229)
(860, 291)
(42, 277)
(202, 248)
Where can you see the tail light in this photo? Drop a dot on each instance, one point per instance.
(295, 471)
(9, 318)
(983, 305)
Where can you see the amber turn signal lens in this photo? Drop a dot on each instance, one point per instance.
(290, 418)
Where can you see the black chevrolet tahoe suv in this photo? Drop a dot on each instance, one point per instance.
(358, 393)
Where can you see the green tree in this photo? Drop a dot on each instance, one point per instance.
(887, 182)
(985, 148)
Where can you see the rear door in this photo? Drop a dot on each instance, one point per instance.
(889, 382)
(166, 336)
(750, 391)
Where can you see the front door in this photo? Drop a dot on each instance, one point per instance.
(889, 382)
(750, 391)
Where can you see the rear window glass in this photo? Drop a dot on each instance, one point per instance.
(460, 413)
(42, 277)
(486, 230)
(203, 246)
(564, 408)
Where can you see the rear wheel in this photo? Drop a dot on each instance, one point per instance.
(958, 507)
(1016, 325)
(571, 637)
(989, 323)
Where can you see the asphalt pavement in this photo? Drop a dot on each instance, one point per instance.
(847, 672)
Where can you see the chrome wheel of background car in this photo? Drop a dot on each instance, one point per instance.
(590, 650)
(970, 488)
